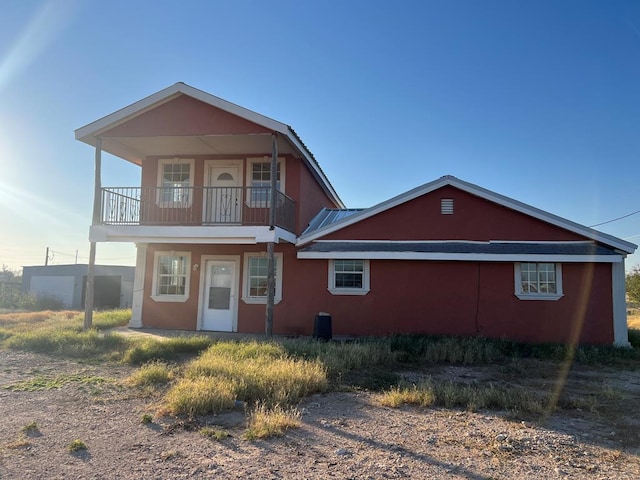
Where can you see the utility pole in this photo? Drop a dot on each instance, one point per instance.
(46, 257)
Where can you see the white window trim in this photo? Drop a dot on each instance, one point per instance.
(537, 296)
(174, 161)
(170, 298)
(349, 291)
(249, 174)
(245, 279)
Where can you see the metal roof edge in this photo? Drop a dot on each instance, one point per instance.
(166, 94)
(88, 132)
(508, 202)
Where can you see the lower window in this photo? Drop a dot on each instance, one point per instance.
(254, 289)
(171, 276)
(349, 277)
(538, 280)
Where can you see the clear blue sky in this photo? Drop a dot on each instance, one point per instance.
(536, 100)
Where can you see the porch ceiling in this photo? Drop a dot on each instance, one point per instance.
(135, 149)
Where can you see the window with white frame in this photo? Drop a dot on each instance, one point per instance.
(349, 277)
(255, 277)
(171, 276)
(538, 280)
(175, 179)
(259, 179)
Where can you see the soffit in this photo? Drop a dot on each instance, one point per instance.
(135, 149)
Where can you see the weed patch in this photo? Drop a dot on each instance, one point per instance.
(44, 382)
(148, 349)
(61, 333)
(30, 429)
(271, 422)
(76, 446)
(461, 395)
(153, 373)
(246, 371)
(339, 357)
(196, 396)
(214, 433)
(146, 419)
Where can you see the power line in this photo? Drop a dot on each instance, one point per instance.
(615, 219)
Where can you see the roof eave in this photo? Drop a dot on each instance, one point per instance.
(89, 132)
(587, 232)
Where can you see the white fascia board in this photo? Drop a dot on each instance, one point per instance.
(314, 166)
(86, 133)
(477, 242)
(193, 235)
(448, 180)
(466, 257)
(547, 217)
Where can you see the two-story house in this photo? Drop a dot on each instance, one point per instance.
(448, 257)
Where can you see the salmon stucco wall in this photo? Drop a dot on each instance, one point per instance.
(474, 218)
(457, 298)
(421, 297)
(184, 115)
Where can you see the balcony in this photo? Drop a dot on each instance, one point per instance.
(195, 206)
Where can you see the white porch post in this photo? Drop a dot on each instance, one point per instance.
(618, 282)
(97, 206)
(138, 286)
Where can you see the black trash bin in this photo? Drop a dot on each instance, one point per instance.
(322, 326)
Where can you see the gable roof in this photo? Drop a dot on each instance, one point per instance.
(312, 234)
(89, 133)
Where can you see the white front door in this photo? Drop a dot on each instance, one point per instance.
(220, 295)
(223, 201)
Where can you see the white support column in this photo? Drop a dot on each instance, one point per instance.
(620, 333)
(138, 286)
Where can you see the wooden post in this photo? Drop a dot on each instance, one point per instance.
(97, 206)
(271, 257)
(271, 289)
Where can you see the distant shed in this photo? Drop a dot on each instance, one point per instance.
(67, 283)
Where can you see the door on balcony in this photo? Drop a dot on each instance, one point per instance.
(223, 201)
(220, 295)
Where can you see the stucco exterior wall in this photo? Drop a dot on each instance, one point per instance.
(422, 297)
(474, 219)
(184, 115)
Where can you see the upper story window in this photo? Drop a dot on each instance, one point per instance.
(538, 281)
(171, 276)
(259, 179)
(175, 179)
(349, 277)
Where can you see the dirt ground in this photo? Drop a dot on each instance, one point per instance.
(343, 435)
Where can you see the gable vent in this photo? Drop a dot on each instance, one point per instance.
(446, 206)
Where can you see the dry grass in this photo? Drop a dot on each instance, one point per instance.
(271, 422)
(153, 373)
(633, 320)
(202, 395)
(470, 396)
(419, 395)
(246, 371)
